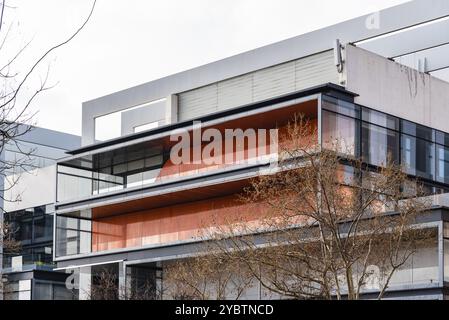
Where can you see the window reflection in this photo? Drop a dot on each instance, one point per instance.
(418, 157)
(380, 119)
(380, 137)
(111, 172)
(33, 229)
(340, 132)
(340, 106)
(73, 236)
(417, 130)
(379, 146)
(442, 164)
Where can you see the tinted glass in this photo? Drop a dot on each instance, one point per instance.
(379, 146)
(43, 227)
(418, 157)
(442, 173)
(73, 236)
(341, 106)
(417, 130)
(442, 138)
(341, 132)
(380, 119)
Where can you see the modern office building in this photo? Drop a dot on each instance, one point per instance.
(122, 203)
(28, 208)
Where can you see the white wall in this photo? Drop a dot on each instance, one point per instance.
(396, 89)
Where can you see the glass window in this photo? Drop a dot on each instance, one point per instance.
(73, 236)
(42, 256)
(42, 291)
(381, 119)
(43, 227)
(417, 130)
(442, 164)
(119, 168)
(442, 138)
(136, 165)
(341, 106)
(33, 228)
(379, 145)
(418, 157)
(60, 292)
(111, 172)
(154, 161)
(24, 227)
(72, 187)
(341, 132)
(347, 175)
(74, 171)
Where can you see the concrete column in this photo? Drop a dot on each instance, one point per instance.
(171, 109)
(85, 282)
(441, 252)
(123, 288)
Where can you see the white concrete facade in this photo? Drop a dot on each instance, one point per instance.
(396, 89)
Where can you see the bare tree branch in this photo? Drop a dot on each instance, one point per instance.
(319, 231)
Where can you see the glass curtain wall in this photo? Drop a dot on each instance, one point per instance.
(73, 236)
(109, 172)
(379, 138)
(144, 281)
(49, 290)
(33, 229)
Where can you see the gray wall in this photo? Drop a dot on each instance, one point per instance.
(260, 85)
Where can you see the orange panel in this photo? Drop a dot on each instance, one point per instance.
(278, 118)
(163, 225)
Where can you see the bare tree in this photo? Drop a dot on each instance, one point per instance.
(330, 228)
(10, 247)
(105, 286)
(207, 277)
(16, 96)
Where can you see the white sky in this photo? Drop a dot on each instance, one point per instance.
(131, 42)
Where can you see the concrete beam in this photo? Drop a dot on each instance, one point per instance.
(410, 41)
(430, 60)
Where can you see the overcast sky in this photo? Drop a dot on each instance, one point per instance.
(131, 42)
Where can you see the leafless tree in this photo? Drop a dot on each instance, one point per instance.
(207, 277)
(105, 286)
(17, 93)
(10, 247)
(330, 228)
(147, 290)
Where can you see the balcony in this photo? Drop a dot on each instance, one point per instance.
(134, 195)
(145, 165)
